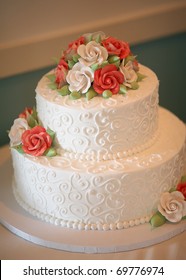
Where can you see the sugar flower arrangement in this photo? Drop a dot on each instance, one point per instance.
(95, 65)
(172, 206)
(28, 136)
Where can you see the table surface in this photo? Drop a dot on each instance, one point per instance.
(14, 247)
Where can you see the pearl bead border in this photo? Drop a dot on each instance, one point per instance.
(76, 225)
(98, 156)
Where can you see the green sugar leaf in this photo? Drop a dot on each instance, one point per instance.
(51, 152)
(140, 77)
(64, 90)
(75, 57)
(71, 63)
(123, 89)
(34, 114)
(19, 149)
(75, 95)
(90, 94)
(134, 85)
(52, 86)
(183, 179)
(157, 220)
(98, 38)
(95, 66)
(51, 133)
(51, 77)
(107, 94)
(173, 189)
(129, 58)
(88, 38)
(117, 63)
(32, 121)
(104, 63)
(113, 59)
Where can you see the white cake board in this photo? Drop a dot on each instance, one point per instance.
(21, 223)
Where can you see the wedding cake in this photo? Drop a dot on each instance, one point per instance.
(97, 152)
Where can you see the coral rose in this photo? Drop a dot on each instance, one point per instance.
(61, 72)
(26, 113)
(36, 141)
(108, 78)
(72, 47)
(116, 47)
(181, 187)
(75, 44)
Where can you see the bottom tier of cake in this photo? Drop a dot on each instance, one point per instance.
(113, 194)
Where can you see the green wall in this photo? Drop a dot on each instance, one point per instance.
(166, 56)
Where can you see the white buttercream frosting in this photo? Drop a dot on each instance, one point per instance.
(103, 195)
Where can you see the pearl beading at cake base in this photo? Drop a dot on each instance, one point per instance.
(78, 225)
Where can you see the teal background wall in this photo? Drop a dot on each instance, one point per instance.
(165, 56)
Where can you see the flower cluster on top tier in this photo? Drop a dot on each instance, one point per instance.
(96, 65)
(172, 206)
(28, 136)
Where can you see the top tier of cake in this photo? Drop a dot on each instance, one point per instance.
(101, 129)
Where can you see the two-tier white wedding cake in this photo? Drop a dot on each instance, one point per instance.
(98, 152)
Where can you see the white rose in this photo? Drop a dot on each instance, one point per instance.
(172, 206)
(92, 53)
(79, 78)
(128, 72)
(16, 131)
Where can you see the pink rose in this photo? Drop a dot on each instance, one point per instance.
(61, 72)
(36, 141)
(107, 78)
(181, 187)
(116, 47)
